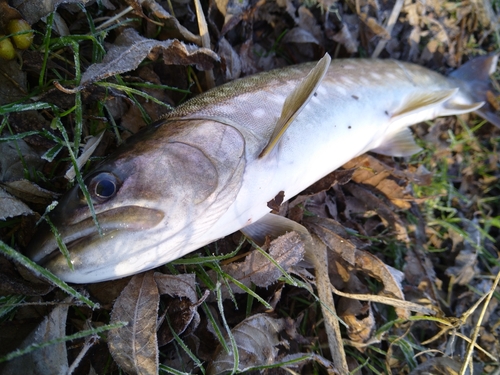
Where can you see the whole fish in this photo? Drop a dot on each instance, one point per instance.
(209, 167)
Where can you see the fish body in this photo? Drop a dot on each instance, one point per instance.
(209, 167)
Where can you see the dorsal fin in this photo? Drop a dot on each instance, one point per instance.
(296, 101)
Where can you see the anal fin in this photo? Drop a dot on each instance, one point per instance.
(398, 144)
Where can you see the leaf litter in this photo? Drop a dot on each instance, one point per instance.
(406, 250)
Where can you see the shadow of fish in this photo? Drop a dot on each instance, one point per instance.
(209, 168)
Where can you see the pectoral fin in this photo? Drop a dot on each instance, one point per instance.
(274, 226)
(296, 101)
(398, 144)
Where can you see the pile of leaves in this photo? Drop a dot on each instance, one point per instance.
(403, 276)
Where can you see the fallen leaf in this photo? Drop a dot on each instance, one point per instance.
(287, 250)
(359, 318)
(134, 347)
(256, 338)
(34, 10)
(171, 26)
(181, 306)
(49, 360)
(12, 282)
(18, 159)
(12, 207)
(130, 49)
(29, 192)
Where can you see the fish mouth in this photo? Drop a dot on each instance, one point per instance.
(44, 248)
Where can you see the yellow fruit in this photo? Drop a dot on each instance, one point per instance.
(7, 51)
(22, 41)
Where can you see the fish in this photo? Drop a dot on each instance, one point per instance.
(209, 167)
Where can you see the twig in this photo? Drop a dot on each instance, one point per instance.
(205, 40)
(390, 25)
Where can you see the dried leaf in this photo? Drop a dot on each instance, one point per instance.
(466, 267)
(34, 10)
(130, 49)
(177, 285)
(366, 200)
(374, 26)
(387, 275)
(354, 260)
(134, 346)
(286, 250)
(12, 166)
(334, 236)
(12, 207)
(181, 308)
(348, 36)
(445, 366)
(29, 192)
(257, 338)
(359, 318)
(12, 282)
(170, 23)
(230, 60)
(49, 360)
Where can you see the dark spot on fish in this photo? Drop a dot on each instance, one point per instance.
(349, 127)
(355, 97)
(315, 94)
(387, 113)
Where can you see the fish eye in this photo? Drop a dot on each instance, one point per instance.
(102, 186)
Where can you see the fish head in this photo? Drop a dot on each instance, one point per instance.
(153, 202)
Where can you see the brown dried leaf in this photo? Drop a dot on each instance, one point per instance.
(387, 275)
(34, 10)
(12, 207)
(134, 347)
(177, 285)
(170, 23)
(359, 317)
(256, 338)
(49, 360)
(444, 366)
(366, 201)
(349, 259)
(390, 181)
(348, 36)
(230, 60)
(130, 49)
(12, 282)
(374, 26)
(334, 236)
(466, 262)
(181, 308)
(286, 250)
(29, 192)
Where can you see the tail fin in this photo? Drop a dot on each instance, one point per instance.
(475, 75)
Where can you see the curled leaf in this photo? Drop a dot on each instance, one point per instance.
(130, 49)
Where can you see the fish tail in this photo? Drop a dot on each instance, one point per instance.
(475, 78)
